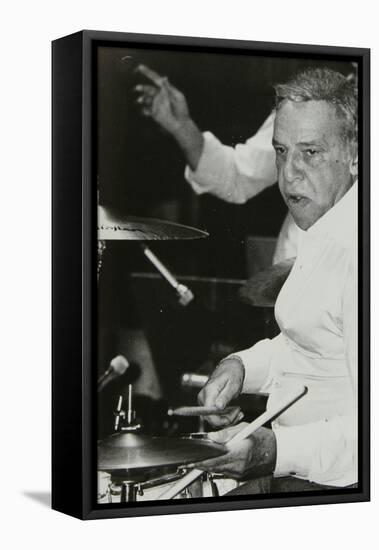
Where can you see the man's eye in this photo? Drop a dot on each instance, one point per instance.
(311, 152)
(279, 150)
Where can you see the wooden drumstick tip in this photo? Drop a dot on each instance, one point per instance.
(199, 411)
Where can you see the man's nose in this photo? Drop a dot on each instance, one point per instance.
(293, 170)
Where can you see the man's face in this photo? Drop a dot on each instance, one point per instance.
(315, 167)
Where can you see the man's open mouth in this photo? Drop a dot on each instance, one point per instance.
(297, 199)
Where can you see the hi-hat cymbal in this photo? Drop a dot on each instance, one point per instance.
(128, 451)
(262, 289)
(134, 228)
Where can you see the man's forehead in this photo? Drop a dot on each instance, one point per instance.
(306, 121)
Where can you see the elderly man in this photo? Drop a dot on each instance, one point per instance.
(314, 443)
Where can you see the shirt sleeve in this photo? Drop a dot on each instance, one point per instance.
(326, 451)
(257, 362)
(235, 174)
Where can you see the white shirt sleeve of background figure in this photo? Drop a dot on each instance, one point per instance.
(326, 451)
(236, 174)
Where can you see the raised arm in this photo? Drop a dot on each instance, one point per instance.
(234, 174)
(167, 106)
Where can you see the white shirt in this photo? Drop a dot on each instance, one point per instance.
(316, 311)
(237, 174)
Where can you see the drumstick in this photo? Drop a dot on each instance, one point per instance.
(156, 78)
(185, 294)
(199, 411)
(277, 409)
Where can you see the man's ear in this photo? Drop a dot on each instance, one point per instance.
(354, 161)
(354, 167)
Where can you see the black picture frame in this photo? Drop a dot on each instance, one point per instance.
(74, 275)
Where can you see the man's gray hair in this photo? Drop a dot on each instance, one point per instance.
(323, 84)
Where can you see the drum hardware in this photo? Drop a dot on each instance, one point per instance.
(263, 288)
(130, 413)
(123, 491)
(125, 421)
(104, 488)
(114, 489)
(213, 488)
(134, 460)
(119, 414)
(214, 481)
(100, 252)
(279, 408)
(135, 483)
(155, 482)
(128, 491)
(131, 491)
(198, 435)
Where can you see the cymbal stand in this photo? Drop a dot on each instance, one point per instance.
(125, 421)
(101, 246)
(128, 491)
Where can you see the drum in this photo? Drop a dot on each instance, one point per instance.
(152, 490)
(110, 492)
(103, 488)
(215, 484)
(208, 485)
(224, 484)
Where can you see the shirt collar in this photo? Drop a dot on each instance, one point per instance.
(340, 220)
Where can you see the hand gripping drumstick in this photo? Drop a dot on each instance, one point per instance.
(277, 409)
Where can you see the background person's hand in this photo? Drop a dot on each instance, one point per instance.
(224, 385)
(255, 455)
(162, 101)
(168, 107)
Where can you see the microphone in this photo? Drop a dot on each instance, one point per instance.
(117, 367)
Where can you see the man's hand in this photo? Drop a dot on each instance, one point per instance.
(255, 455)
(167, 106)
(224, 385)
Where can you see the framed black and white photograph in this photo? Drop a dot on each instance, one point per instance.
(210, 274)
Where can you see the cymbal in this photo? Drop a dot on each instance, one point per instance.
(129, 451)
(262, 289)
(134, 228)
